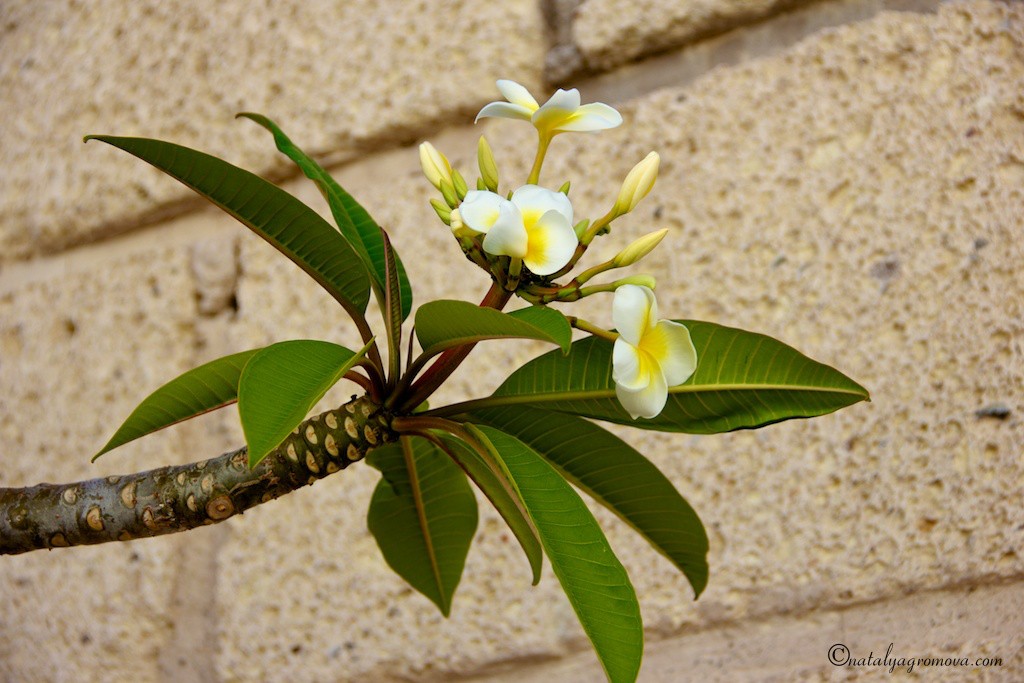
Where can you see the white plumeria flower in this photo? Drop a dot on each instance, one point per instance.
(650, 355)
(560, 114)
(535, 226)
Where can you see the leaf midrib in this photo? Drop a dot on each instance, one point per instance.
(551, 396)
(695, 389)
(421, 513)
(437, 348)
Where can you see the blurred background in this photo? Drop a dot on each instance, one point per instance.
(844, 175)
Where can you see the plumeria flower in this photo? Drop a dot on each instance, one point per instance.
(562, 113)
(650, 355)
(535, 226)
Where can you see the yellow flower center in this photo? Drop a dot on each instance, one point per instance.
(653, 345)
(530, 218)
(537, 245)
(491, 217)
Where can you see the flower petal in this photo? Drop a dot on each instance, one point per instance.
(591, 117)
(568, 100)
(481, 209)
(517, 94)
(648, 401)
(634, 310)
(551, 243)
(504, 110)
(540, 200)
(561, 106)
(507, 237)
(628, 368)
(670, 345)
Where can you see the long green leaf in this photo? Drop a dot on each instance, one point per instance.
(292, 227)
(198, 391)
(423, 515)
(311, 169)
(743, 380)
(594, 580)
(446, 323)
(392, 309)
(370, 231)
(492, 480)
(281, 384)
(615, 475)
(353, 220)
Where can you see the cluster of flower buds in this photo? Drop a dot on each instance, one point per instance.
(529, 237)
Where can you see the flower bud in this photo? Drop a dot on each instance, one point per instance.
(435, 166)
(460, 185)
(488, 169)
(638, 249)
(640, 280)
(459, 228)
(448, 192)
(637, 184)
(581, 228)
(443, 212)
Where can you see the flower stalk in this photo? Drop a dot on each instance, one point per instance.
(591, 328)
(538, 161)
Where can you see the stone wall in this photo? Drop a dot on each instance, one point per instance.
(841, 175)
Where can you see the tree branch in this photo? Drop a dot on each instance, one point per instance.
(182, 497)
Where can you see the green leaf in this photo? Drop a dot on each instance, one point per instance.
(392, 310)
(423, 515)
(593, 578)
(311, 169)
(615, 475)
(353, 220)
(282, 220)
(446, 323)
(743, 380)
(549, 320)
(281, 384)
(198, 391)
(491, 478)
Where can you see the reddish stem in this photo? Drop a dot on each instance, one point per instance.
(365, 382)
(448, 361)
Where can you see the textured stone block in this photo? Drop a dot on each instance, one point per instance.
(345, 77)
(956, 635)
(78, 350)
(608, 33)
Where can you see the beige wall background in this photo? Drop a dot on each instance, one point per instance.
(845, 175)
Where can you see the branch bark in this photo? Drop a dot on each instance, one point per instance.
(182, 497)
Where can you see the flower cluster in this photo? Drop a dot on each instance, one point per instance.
(533, 227)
